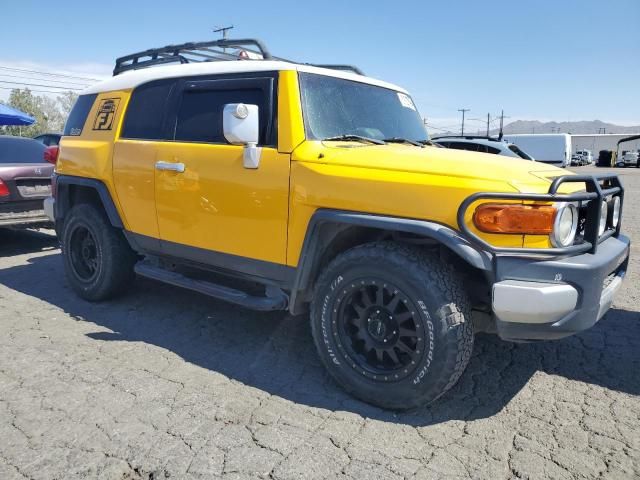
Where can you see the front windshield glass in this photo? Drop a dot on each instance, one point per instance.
(334, 107)
(519, 152)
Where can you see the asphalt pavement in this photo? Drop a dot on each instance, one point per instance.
(165, 383)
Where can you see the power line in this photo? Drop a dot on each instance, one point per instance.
(442, 129)
(33, 90)
(45, 80)
(40, 85)
(444, 126)
(50, 74)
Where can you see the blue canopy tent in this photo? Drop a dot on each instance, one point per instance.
(11, 116)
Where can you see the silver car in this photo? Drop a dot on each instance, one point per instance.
(491, 145)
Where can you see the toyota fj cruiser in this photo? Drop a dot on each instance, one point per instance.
(284, 186)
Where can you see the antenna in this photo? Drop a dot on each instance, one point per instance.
(223, 31)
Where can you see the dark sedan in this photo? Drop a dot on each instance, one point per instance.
(25, 181)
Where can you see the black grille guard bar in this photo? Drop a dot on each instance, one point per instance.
(611, 186)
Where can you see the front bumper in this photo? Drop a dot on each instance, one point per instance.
(549, 299)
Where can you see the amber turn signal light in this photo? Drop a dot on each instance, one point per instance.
(515, 218)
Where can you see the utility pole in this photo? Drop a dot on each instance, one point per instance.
(223, 31)
(488, 122)
(463, 110)
(502, 117)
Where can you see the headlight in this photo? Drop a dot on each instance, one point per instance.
(565, 225)
(603, 219)
(615, 215)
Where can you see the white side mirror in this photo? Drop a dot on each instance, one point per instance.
(241, 126)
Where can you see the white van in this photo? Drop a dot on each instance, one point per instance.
(552, 148)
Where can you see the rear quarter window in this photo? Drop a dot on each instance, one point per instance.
(146, 111)
(78, 116)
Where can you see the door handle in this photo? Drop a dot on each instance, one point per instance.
(171, 166)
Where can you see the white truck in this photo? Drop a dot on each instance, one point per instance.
(554, 148)
(586, 156)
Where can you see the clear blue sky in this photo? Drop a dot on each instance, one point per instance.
(544, 59)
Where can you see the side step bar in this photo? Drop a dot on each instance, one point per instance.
(276, 299)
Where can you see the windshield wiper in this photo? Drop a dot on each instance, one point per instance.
(357, 138)
(403, 140)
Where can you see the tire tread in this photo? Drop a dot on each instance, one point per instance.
(438, 276)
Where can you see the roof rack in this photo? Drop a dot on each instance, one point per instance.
(213, 51)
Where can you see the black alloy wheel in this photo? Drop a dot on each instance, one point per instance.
(378, 331)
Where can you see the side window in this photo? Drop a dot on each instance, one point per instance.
(145, 115)
(495, 151)
(200, 113)
(464, 146)
(78, 115)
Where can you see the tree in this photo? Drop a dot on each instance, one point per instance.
(50, 114)
(67, 100)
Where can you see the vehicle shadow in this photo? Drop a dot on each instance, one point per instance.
(275, 353)
(18, 242)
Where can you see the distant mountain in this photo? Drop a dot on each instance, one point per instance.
(593, 126)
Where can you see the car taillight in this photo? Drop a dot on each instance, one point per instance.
(51, 154)
(4, 190)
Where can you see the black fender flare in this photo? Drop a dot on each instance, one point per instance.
(63, 200)
(324, 221)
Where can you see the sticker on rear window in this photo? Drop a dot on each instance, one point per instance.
(106, 113)
(405, 101)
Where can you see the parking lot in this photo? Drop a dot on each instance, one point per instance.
(167, 383)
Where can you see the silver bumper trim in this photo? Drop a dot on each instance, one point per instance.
(606, 299)
(48, 208)
(533, 302)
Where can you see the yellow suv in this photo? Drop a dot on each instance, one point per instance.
(284, 186)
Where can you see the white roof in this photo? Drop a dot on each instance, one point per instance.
(133, 78)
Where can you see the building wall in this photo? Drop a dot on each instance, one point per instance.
(595, 143)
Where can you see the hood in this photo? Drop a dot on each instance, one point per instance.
(524, 175)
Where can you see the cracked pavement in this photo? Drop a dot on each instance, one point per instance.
(165, 383)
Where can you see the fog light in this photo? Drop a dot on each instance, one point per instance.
(603, 219)
(615, 215)
(565, 225)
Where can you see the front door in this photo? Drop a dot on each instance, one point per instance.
(210, 208)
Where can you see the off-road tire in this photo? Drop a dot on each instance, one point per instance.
(114, 259)
(443, 312)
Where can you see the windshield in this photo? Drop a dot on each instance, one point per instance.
(520, 153)
(334, 107)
